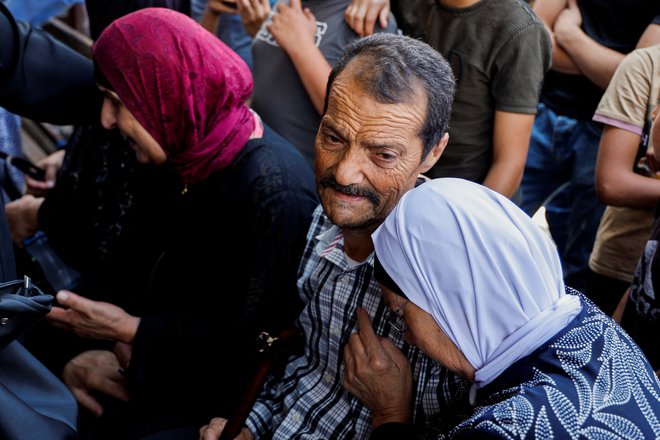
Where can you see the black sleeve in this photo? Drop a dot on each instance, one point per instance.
(41, 78)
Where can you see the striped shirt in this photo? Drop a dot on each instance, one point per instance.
(309, 402)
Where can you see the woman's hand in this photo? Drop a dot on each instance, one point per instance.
(94, 370)
(93, 319)
(22, 217)
(215, 427)
(378, 374)
(51, 165)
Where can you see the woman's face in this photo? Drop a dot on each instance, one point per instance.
(114, 114)
(424, 333)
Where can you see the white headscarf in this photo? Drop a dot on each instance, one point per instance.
(488, 275)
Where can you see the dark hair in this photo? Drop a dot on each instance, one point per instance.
(392, 69)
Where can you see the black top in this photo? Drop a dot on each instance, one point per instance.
(616, 24)
(206, 270)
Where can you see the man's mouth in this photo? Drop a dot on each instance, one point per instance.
(349, 192)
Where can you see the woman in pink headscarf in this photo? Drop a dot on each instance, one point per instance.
(235, 234)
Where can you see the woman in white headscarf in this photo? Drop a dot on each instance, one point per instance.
(478, 286)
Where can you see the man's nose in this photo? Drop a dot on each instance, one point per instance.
(350, 167)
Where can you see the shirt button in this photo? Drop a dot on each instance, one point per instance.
(335, 331)
(295, 416)
(327, 377)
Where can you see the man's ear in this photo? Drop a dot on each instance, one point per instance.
(433, 155)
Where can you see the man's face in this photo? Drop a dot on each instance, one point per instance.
(368, 154)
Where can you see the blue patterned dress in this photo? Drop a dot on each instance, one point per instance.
(589, 381)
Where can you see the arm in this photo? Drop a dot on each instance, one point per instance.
(595, 61)
(294, 29)
(621, 307)
(548, 11)
(616, 183)
(511, 134)
(212, 12)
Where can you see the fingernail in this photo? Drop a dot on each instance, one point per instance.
(62, 296)
(50, 184)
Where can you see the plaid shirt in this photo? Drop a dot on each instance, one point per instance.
(309, 402)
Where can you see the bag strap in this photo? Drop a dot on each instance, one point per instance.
(273, 350)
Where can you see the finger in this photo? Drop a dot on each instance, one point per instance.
(358, 20)
(296, 5)
(57, 316)
(73, 301)
(51, 175)
(349, 15)
(367, 336)
(384, 17)
(36, 187)
(308, 13)
(370, 21)
(215, 428)
(89, 402)
(393, 352)
(115, 389)
(280, 6)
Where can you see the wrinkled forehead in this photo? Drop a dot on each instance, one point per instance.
(356, 114)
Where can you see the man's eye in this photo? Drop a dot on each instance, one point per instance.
(332, 138)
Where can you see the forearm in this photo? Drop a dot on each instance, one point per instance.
(595, 61)
(511, 134)
(561, 60)
(313, 70)
(504, 177)
(210, 20)
(547, 11)
(630, 190)
(616, 183)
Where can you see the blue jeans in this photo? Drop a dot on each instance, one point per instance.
(232, 32)
(563, 151)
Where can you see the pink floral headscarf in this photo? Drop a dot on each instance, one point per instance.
(182, 84)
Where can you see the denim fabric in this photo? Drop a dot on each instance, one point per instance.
(38, 12)
(563, 151)
(232, 32)
(10, 143)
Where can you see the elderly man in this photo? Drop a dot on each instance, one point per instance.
(385, 122)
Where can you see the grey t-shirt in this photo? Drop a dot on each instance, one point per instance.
(499, 52)
(279, 95)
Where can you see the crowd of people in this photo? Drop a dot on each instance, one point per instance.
(361, 173)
